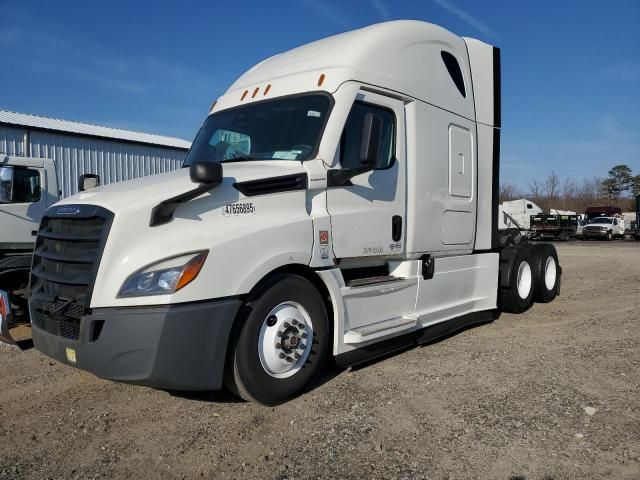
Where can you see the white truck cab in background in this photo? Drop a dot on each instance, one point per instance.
(340, 199)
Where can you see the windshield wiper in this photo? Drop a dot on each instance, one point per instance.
(239, 159)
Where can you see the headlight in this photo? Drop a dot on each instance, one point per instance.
(166, 276)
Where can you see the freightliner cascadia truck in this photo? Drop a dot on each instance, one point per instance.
(340, 200)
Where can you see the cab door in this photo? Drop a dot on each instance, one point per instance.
(368, 212)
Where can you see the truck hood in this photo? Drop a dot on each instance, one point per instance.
(147, 192)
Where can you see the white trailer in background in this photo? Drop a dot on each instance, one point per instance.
(521, 211)
(340, 199)
(43, 160)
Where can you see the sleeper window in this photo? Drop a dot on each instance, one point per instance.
(352, 136)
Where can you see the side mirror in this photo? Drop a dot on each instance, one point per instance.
(371, 138)
(6, 184)
(209, 173)
(368, 156)
(88, 181)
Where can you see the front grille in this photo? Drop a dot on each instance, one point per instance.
(60, 317)
(65, 262)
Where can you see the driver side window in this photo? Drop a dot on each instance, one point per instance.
(352, 136)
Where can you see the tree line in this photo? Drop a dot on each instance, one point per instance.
(618, 189)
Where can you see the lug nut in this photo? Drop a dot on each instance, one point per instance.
(289, 359)
(297, 355)
(304, 335)
(295, 322)
(286, 325)
(271, 321)
(278, 345)
(282, 355)
(301, 325)
(279, 333)
(303, 346)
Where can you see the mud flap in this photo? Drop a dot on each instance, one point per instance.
(5, 318)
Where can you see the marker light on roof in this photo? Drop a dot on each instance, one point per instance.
(266, 90)
(244, 95)
(255, 92)
(321, 79)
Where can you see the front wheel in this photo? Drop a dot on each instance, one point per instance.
(609, 235)
(282, 343)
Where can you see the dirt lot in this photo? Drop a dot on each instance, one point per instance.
(551, 394)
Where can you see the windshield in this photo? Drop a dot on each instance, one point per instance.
(282, 129)
(601, 220)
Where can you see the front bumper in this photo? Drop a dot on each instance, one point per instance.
(175, 347)
(595, 233)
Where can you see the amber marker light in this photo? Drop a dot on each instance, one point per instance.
(255, 92)
(321, 79)
(244, 95)
(266, 90)
(191, 271)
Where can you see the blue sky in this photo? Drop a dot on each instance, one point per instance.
(571, 70)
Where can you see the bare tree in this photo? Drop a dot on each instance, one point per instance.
(508, 192)
(569, 194)
(551, 188)
(536, 191)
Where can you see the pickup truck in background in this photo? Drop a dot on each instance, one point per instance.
(606, 228)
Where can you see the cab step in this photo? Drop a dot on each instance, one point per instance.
(365, 282)
(380, 329)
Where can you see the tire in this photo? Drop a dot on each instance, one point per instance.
(547, 273)
(564, 236)
(609, 235)
(518, 296)
(261, 367)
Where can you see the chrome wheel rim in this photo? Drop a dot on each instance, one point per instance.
(524, 280)
(550, 273)
(285, 341)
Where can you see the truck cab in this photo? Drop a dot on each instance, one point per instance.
(341, 199)
(28, 186)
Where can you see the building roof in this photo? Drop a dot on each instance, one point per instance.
(67, 126)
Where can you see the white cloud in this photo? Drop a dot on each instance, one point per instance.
(381, 8)
(466, 17)
(329, 12)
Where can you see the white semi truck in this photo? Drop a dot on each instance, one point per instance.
(341, 199)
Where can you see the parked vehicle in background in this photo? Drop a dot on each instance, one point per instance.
(43, 160)
(341, 199)
(606, 228)
(634, 228)
(521, 211)
(595, 212)
(553, 226)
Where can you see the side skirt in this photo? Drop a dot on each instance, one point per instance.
(419, 337)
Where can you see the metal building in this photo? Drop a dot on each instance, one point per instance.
(79, 148)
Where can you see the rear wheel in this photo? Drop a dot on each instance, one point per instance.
(518, 296)
(546, 273)
(282, 343)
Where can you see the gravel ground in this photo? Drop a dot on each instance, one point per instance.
(550, 394)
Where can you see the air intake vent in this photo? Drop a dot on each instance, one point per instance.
(264, 186)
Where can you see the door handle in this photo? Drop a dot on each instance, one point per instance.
(396, 228)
